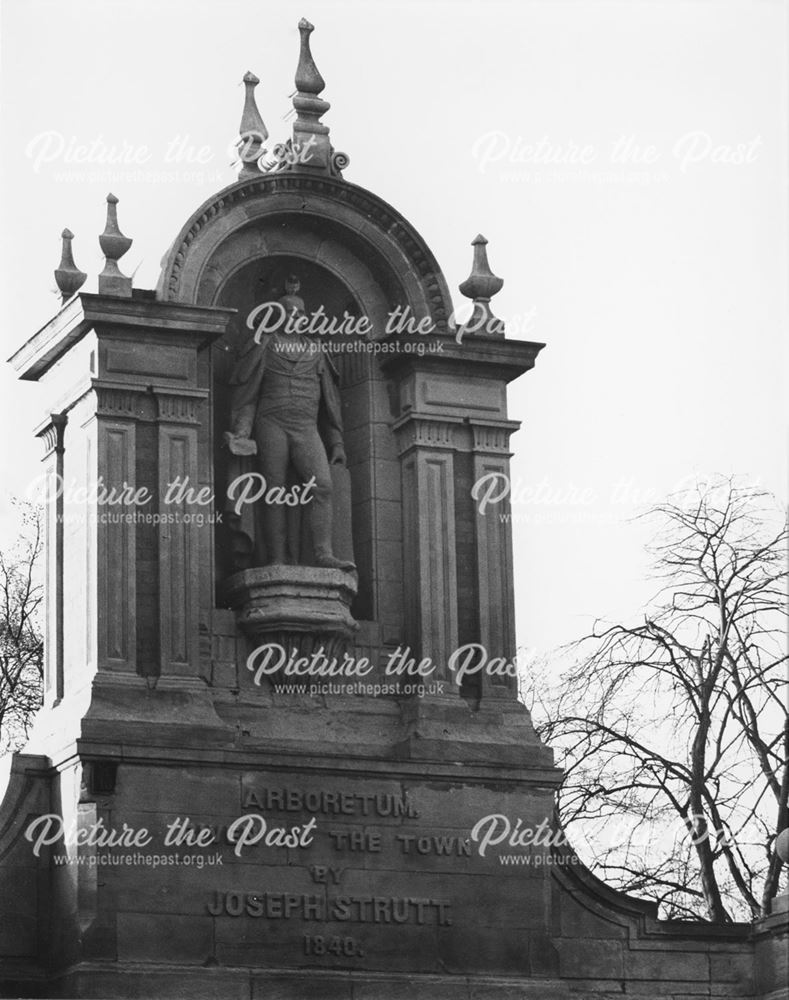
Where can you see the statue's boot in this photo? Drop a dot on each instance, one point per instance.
(327, 561)
(321, 534)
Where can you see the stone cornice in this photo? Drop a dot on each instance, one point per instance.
(498, 359)
(141, 747)
(105, 313)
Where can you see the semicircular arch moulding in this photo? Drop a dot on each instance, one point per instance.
(260, 217)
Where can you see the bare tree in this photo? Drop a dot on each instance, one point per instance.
(674, 732)
(21, 644)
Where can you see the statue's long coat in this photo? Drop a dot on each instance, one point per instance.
(247, 377)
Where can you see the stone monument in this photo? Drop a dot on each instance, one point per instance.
(281, 752)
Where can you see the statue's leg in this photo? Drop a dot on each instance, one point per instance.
(309, 459)
(273, 448)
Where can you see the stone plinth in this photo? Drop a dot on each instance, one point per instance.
(301, 607)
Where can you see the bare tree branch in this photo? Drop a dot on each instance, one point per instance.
(676, 729)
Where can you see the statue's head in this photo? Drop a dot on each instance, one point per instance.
(291, 301)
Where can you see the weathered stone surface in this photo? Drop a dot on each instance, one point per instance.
(682, 966)
(590, 959)
(164, 938)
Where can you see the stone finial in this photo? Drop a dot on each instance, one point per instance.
(252, 130)
(308, 79)
(68, 276)
(310, 147)
(480, 286)
(113, 245)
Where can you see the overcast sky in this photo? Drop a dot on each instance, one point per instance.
(626, 160)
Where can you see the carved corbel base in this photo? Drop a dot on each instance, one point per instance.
(299, 607)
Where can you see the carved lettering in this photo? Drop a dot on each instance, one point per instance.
(328, 802)
(343, 909)
(356, 840)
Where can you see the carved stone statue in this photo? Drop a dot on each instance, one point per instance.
(285, 408)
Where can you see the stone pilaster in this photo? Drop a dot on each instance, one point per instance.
(430, 562)
(116, 531)
(494, 569)
(182, 519)
(52, 433)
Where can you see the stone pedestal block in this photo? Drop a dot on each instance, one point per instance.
(298, 607)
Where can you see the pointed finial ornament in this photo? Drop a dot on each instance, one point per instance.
(68, 276)
(252, 131)
(308, 79)
(310, 148)
(480, 286)
(113, 245)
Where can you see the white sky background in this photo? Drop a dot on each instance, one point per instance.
(660, 289)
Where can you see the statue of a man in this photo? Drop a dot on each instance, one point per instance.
(284, 406)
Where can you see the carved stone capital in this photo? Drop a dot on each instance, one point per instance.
(119, 400)
(493, 437)
(414, 431)
(179, 407)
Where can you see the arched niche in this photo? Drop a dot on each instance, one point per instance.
(352, 252)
